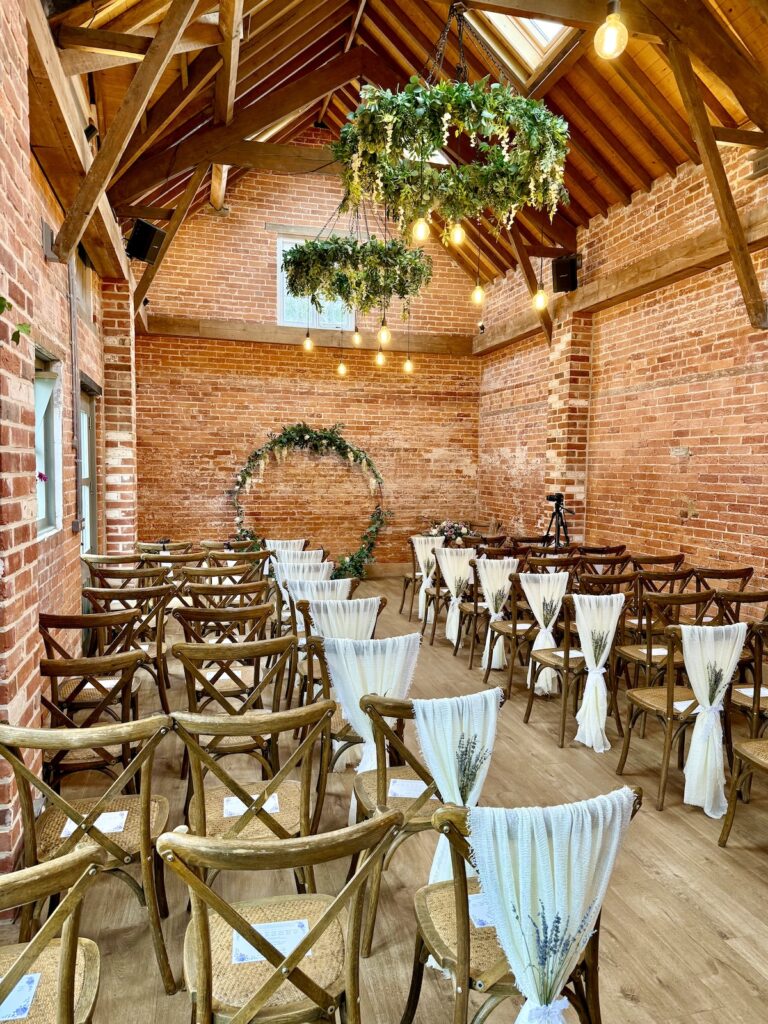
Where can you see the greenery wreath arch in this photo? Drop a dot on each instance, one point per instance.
(327, 441)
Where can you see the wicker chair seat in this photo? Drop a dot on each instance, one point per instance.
(743, 701)
(365, 790)
(654, 698)
(87, 969)
(89, 695)
(754, 752)
(554, 657)
(288, 815)
(51, 822)
(234, 984)
(506, 628)
(639, 652)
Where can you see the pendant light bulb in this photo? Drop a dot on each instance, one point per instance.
(540, 300)
(457, 234)
(478, 294)
(380, 359)
(408, 365)
(308, 343)
(357, 338)
(384, 335)
(612, 37)
(420, 230)
(341, 369)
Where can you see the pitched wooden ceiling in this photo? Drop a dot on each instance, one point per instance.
(271, 69)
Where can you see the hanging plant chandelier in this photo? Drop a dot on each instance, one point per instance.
(364, 275)
(386, 148)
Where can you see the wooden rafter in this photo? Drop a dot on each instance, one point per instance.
(347, 46)
(718, 182)
(124, 124)
(529, 274)
(177, 219)
(741, 137)
(230, 24)
(579, 13)
(91, 49)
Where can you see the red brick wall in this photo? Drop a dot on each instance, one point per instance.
(204, 406)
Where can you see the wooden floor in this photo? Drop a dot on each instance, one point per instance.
(685, 925)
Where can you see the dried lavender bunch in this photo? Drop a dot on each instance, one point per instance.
(599, 643)
(470, 758)
(714, 680)
(497, 599)
(554, 943)
(548, 611)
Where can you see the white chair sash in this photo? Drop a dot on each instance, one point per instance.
(277, 547)
(544, 592)
(711, 654)
(455, 571)
(351, 620)
(285, 571)
(597, 617)
(310, 555)
(494, 574)
(357, 667)
(320, 590)
(547, 868)
(456, 737)
(422, 547)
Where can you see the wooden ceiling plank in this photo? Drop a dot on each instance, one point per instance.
(173, 226)
(124, 124)
(127, 212)
(592, 156)
(544, 78)
(249, 121)
(230, 26)
(733, 230)
(664, 112)
(529, 274)
(710, 99)
(578, 13)
(694, 25)
(347, 46)
(168, 106)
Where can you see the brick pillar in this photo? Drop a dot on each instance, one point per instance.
(120, 500)
(568, 416)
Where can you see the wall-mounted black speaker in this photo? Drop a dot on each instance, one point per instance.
(144, 241)
(565, 276)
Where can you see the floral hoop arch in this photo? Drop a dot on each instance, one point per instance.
(328, 441)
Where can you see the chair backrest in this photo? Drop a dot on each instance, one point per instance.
(603, 565)
(141, 738)
(341, 618)
(298, 557)
(227, 595)
(95, 633)
(216, 575)
(718, 578)
(587, 550)
(72, 875)
(555, 563)
(662, 610)
(230, 545)
(550, 551)
(116, 577)
(173, 560)
(662, 581)
(609, 583)
(151, 603)
(495, 552)
(252, 814)
(255, 561)
(645, 562)
(742, 605)
(163, 547)
(193, 858)
(223, 625)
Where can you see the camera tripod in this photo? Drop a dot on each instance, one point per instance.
(558, 520)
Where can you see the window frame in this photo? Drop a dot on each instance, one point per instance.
(313, 319)
(47, 368)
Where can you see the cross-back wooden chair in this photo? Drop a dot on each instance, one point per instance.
(228, 544)
(411, 580)
(95, 561)
(720, 578)
(550, 551)
(602, 550)
(52, 980)
(227, 595)
(163, 547)
(517, 631)
(270, 985)
(174, 563)
(673, 704)
(646, 563)
(750, 754)
(121, 822)
(278, 804)
(555, 563)
(473, 613)
(657, 611)
(745, 696)
(532, 540)
(217, 575)
(471, 955)
(255, 563)
(149, 629)
(635, 623)
(603, 565)
(437, 600)
(219, 682)
(83, 693)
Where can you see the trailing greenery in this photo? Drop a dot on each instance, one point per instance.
(326, 441)
(19, 329)
(362, 275)
(521, 148)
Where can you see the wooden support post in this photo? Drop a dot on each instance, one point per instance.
(732, 227)
(230, 22)
(123, 126)
(530, 275)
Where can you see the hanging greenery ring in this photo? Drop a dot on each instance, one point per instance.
(363, 275)
(302, 437)
(386, 147)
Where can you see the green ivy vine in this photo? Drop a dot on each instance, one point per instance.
(327, 441)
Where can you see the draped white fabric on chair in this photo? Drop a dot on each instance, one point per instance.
(544, 592)
(422, 547)
(320, 590)
(357, 667)
(456, 737)
(711, 654)
(539, 866)
(285, 571)
(350, 620)
(597, 617)
(284, 545)
(295, 557)
(456, 572)
(494, 574)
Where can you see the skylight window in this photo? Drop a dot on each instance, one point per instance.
(524, 44)
(547, 31)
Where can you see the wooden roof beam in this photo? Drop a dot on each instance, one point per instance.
(89, 49)
(124, 124)
(230, 25)
(579, 13)
(347, 46)
(523, 258)
(733, 231)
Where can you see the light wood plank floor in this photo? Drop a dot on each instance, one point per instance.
(685, 929)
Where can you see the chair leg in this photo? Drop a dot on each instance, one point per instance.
(591, 979)
(162, 899)
(155, 928)
(491, 647)
(531, 695)
(373, 906)
(435, 616)
(490, 1004)
(739, 777)
(413, 598)
(472, 640)
(566, 682)
(406, 581)
(665, 759)
(417, 976)
(625, 744)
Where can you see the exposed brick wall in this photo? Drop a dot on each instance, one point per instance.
(224, 265)
(204, 406)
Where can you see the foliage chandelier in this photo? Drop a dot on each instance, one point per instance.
(386, 148)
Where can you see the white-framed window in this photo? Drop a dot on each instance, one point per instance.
(84, 281)
(299, 312)
(48, 452)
